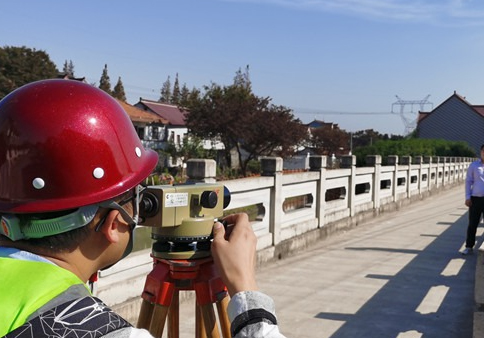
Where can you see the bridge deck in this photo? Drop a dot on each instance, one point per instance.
(399, 275)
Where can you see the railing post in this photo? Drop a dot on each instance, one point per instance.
(462, 167)
(436, 160)
(445, 167)
(453, 168)
(458, 166)
(418, 160)
(349, 162)
(393, 161)
(407, 160)
(319, 163)
(428, 160)
(201, 170)
(375, 161)
(272, 166)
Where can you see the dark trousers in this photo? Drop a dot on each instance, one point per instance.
(475, 212)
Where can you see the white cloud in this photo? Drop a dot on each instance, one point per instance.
(443, 12)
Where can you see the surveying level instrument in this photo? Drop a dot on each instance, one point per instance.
(182, 218)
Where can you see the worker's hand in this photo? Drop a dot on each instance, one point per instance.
(234, 253)
(469, 202)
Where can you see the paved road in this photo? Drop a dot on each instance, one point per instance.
(399, 275)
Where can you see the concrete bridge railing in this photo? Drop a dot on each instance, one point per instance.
(479, 295)
(296, 210)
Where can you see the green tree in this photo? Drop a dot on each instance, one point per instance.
(21, 65)
(242, 79)
(191, 147)
(194, 96)
(105, 82)
(68, 68)
(118, 91)
(165, 92)
(329, 139)
(184, 96)
(175, 96)
(245, 122)
(413, 147)
(367, 137)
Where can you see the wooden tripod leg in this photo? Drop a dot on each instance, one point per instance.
(210, 321)
(145, 315)
(223, 316)
(158, 320)
(199, 326)
(174, 316)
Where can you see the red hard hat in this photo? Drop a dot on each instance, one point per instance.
(66, 144)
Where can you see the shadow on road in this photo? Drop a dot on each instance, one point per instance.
(394, 309)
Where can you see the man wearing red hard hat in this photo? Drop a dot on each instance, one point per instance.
(70, 166)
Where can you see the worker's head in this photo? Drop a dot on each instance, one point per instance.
(69, 157)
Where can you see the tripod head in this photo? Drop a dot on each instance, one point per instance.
(182, 217)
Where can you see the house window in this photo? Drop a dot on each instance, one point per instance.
(172, 136)
(141, 132)
(178, 140)
(155, 133)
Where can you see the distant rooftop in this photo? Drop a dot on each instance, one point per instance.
(169, 112)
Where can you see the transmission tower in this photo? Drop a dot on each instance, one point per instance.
(408, 118)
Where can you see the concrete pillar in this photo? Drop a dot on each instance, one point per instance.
(201, 170)
(418, 160)
(375, 161)
(319, 163)
(452, 168)
(272, 166)
(436, 160)
(458, 168)
(349, 161)
(445, 170)
(428, 161)
(393, 161)
(407, 160)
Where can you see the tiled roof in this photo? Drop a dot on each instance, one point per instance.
(169, 112)
(479, 110)
(422, 115)
(319, 123)
(140, 115)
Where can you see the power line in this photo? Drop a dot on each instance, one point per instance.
(342, 113)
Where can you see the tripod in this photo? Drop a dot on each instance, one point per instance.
(161, 297)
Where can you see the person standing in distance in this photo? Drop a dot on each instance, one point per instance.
(474, 190)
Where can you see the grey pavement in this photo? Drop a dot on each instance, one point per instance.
(397, 275)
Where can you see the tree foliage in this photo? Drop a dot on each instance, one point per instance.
(68, 68)
(192, 147)
(118, 91)
(245, 122)
(329, 139)
(175, 95)
(21, 65)
(242, 79)
(184, 96)
(105, 82)
(165, 92)
(367, 137)
(414, 147)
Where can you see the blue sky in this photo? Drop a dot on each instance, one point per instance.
(340, 61)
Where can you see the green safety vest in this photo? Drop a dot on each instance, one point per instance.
(25, 286)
